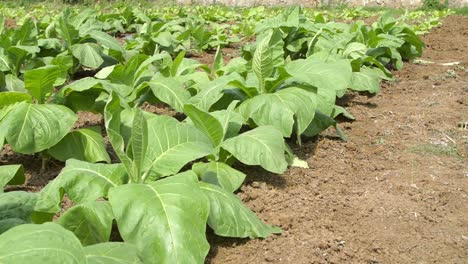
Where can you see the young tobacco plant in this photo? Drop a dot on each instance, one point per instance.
(158, 209)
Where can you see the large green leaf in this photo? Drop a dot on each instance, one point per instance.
(16, 208)
(171, 145)
(229, 217)
(66, 31)
(91, 222)
(32, 128)
(166, 219)
(170, 91)
(262, 146)
(367, 79)
(230, 120)
(112, 118)
(47, 243)
(334, 75)
(138, 141)
(11, 175)
(39, 82)
(262, 62)
(220, 174)
(8, 98)
(84, 144)
(112, 253)
(206, 123)
(82, 182)
(106, 40)
(211, 92)
(89, 54)
(26, 34)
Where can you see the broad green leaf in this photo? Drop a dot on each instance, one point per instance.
(39, 82)
(47, 243)
(9, 223)
(66, 31)
(11, 175)
(112, 119)
(14, 84)
(262, 146)
(166, 219)
(211, 92)
(33, 128)
(279, 109)
(320, 123)
(220, 174)
(229, 217)
(171, 145)
(269, 109)
(338, 110)
(112, 253)
(323, 75)
(26, 34)
(106, 40)
(16, 207)
(262, 63)
(82, 182)
(91, 222)
(88, 54)
(302, 103)
(230, 120)
(4, 60)
(138, 141)
(367, 79)
(170, 91)
(86, 144)
(206, 123)
(64, 63)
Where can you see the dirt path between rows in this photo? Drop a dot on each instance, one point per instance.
(396, 192)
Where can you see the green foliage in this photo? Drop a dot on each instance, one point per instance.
(168, 177)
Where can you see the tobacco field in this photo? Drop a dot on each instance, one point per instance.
(145, 135)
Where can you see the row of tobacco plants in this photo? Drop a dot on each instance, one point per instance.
(167, 179)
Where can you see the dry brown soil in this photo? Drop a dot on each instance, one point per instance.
(395, 192)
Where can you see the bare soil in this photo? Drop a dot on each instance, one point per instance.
(395, 192)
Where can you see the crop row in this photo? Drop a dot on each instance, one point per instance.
(166, 178)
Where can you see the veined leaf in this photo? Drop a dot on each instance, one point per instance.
(166, 219)
(8, 98)
(279, 109)
(220, 174)
(106, 40)
(11, 175)
(33, 128)
(367, 79)
(112, 253)
(84, 144)
(171, 145)
(323, 75)
(39, 82)
(46, 243)
(262, 146)
(82, 182)
(91, 222)
(205, 123)
(262, 63)
(16, 208)
(170, 91)
(229, 217)
(138, 141)
(112, 119)
(89, 54)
